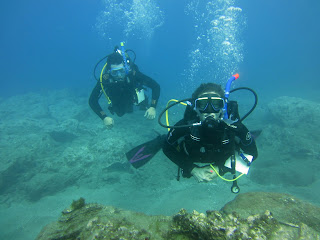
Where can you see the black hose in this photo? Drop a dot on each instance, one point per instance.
(134, 58)
(255, 101)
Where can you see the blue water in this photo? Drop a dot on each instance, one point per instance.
(48, 46)
(56, 44)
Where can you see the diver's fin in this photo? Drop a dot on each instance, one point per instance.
(255, 134)
(143, 153)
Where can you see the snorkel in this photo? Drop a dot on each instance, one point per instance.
(123, 53)
(227, 93)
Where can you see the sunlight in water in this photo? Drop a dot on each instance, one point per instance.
(218, 47)
(131, 19)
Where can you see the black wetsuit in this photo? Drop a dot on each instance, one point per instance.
(189, 145)
(123, 93)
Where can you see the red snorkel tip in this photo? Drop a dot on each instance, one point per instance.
(236, 76)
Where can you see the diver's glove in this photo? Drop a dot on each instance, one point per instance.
(204, 174)
(108, 121)
(150, 113)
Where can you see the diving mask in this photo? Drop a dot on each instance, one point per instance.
(118, 72)
(209, 104)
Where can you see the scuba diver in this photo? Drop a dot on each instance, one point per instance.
(201, 150)
(209, 141)
(123, 85)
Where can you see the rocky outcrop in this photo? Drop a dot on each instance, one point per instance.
(286, 208)
(293, 219)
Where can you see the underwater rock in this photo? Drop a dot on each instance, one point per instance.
(15, 171)
(77, 204)
(94, 221)
(294, 121)
(217, 225)
(293, 111)
(46, 147)
(289, 146)
(284, 207)
(62, 136)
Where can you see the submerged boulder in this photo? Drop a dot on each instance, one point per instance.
(295, 112)
(286, 208)
(94, 221)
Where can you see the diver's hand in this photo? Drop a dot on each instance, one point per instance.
(204, 174)
(150, 113)
(108, 121)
